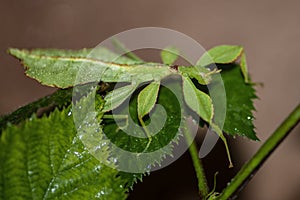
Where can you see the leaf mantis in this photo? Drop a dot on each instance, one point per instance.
(58, 68)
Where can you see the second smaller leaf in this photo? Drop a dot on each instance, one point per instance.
(147, 98)
(197, 100)
(117, 96)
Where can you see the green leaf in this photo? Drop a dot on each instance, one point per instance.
(169, 55)
(197, 100)
(244, 67)
(147, 98)
(44, 159)
(117, 96)
(239, 95)
(223, 54)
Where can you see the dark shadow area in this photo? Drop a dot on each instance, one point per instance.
(178, 181)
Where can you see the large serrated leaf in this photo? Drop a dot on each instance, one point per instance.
(239, 95)
(45, 159)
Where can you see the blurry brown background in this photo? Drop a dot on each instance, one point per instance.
(269, 30)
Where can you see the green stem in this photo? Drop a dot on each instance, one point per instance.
(251, 167)
(220, 134)
(110, 116)
(202, 181)
(148, 135)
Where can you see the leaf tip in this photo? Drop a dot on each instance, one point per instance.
(11, 50)
(15, 52)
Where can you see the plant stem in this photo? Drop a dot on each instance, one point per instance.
(220, 134)
(251, 167)
(110, 116)
(148, 135)
(202, 182)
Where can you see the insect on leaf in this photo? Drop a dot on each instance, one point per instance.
(169, 55)
(67, 71)
(117, 96)
(147, 98)
(197, 100)
(223, 54)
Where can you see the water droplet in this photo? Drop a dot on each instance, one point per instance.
(98, 168)
(55, 186)
(148, 167)
(103, 144)
(115, 160)
(77, 154)
(99, 194)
